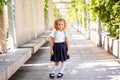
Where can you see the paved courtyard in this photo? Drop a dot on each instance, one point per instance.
(87, 62)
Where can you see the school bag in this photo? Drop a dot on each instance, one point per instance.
(56, 33)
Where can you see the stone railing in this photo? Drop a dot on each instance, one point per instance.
(111, 45)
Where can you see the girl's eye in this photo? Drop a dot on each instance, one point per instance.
(60, 24)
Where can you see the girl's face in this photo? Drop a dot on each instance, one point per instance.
(60, 25)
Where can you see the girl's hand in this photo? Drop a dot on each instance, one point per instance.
(51, 52)
(68, 53)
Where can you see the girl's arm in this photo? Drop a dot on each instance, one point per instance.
(67, 45)
(51, 45)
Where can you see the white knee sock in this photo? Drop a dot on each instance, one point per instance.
(62, 67)
(53, 69)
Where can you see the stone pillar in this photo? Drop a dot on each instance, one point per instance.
(3, 46)
(99, 43)
(50, 14)
(119, 48)
(83, 15)
(41, 18)
(88, 24)
(38, 16)
(12, 25)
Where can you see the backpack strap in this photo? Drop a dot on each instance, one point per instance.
(55, 35)
(64, 34)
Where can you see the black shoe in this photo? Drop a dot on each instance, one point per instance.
(52, 75)
(59, 75)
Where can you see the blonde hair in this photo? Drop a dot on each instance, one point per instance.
(56, 24)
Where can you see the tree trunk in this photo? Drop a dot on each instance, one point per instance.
(99, 43)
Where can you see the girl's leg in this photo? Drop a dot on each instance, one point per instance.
(60, 74)
(55, 67)
(62, 67)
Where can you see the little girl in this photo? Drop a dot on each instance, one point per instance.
(59, 47)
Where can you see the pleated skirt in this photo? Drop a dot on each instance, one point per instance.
(60, 52)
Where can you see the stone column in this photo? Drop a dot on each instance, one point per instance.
(50, 14)
(3, 46)
(119, 48)
(99, 43)
(35, 17)
(41, 16)
(38, 16)
(83, 15)
(12, 24)
(88, 22)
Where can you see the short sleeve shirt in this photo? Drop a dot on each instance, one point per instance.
(60, 36)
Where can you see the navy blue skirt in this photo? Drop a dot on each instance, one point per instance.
(60, 52)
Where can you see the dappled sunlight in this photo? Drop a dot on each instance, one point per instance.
(114, 77)
(45, 48)
(12, 51)
(102, 66)
(94, 64)
(77, 37)
(7, 57)
(37, 64)
(79, 45)
(108, 70)
(74, 71)
(72, 46)
(97, 63)
(2, 57)
(45, 66)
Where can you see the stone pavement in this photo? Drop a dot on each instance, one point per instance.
(87, 62)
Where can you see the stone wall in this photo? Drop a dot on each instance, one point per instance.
(111, 45)
(29, 20)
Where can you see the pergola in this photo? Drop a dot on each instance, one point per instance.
(62, 6)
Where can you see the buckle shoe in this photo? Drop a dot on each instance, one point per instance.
(52, 75)
(59, 75)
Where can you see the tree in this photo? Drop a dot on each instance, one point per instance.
(3, 2)
(75, 11)
(108, 12)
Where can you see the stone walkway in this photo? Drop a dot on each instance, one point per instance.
(88, 62)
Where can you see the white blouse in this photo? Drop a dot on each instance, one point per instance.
(60, 36)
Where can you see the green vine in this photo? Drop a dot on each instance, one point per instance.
(1, 5)
(46, 12)
(108, 12)
(75, 11)
(56, 12)
(46, 7)
(3, 2)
